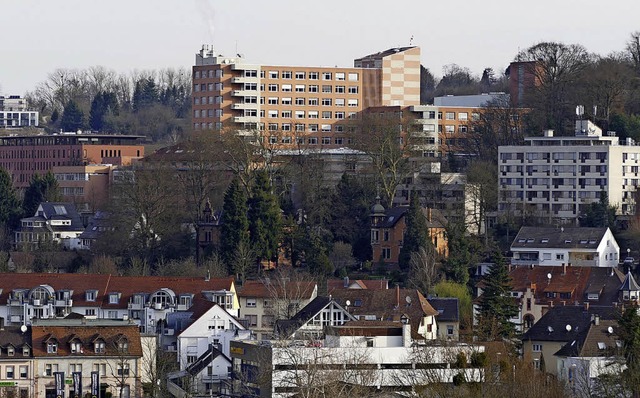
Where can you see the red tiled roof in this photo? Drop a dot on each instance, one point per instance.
(292, 289)
(86, 334)
(104, 284)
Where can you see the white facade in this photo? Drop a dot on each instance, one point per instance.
(15, 113)
(556, 178)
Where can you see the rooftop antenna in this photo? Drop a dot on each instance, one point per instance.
(411, 40)
(550, 329)
(568, 327)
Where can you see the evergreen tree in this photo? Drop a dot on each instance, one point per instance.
(103, 103)
(72, 117)
(235, 225)
(456, 266)
(599, 214)
(145, 94)
(41, 189)
(265, 219)
(54, 116)
(629, 333)
(496, 305)
(415, 235)
(10, 210)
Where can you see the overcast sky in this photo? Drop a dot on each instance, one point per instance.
(40, 36)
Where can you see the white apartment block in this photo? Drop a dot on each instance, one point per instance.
(15, 113)
(554, 179)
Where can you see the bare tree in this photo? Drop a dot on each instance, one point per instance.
(425, 267)
(633, 50)
(288, 289)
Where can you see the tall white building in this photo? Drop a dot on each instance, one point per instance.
(14, 112)
(554, 179)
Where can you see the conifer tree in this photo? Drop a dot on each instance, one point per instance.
(72, 117)
(265, 219)
(10, 210)
(497, 308)
(415, 235)
(41, 189)
(235, 225)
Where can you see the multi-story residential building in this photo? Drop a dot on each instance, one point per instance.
(53, 222)
(299, 105)
(553, 179)
(14, 112)
(16, 362)
(144, 300)
(262, 303)
(579, 246)
(24, 156)
(87, 186)
(113, 349)
(523, 78)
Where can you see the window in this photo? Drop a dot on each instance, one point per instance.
(299, 88)
(326, 140)
(353, 102)
(273, 87)
(123, 344)
(272, 101)
(339, 115)
(273, 74)
(353, 77)
(11, 351)
(312, 101)
(286, 127)
(340, 76)
(101, 368)
(76, 347)
(90, 295)
(252, 320)
(10, 372)
(273, 114)
(299, 75)
(50, 368)
(75, 367)
(313, 128)
(114, 298)
(339, 141)
(326, 102)
(123, 369)
(250, 73)
(52, 347)
(450, 116)
(313, 114)
(536, 347)
(559, 256)
(340, 89)
(386, 253)
(273, 126)
(326, 76)
(313, 75)
(312, 141)
(299, 114)
(300, 127)
(339, 101)
(326, 114)
(286, 74)
(300, 101)
(326, 127)
(286, 88)
(267, 321)
(25, 351)
(353, 89)
(191, 358)
(463, 116)
(286, 114)
(326, 88)
(251, 302)
(286, 101)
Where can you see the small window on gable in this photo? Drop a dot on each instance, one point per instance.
(26, 351)
(99, 346)
(122, 344)
(76, 346)
(11, 351)
(544, 240)
(52, 347)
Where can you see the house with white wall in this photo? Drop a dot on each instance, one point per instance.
(574, 246)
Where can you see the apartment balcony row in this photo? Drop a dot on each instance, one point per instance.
(244, 79)
(40, 302)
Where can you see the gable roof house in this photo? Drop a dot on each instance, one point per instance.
(16, 362)
(388, 228)
(145, 300)
(448, 319)
(312, 321)
(597, 350)
(53, 222)
(391, 305)
(537, 289)
(114, 349)
(558, 327)
(263, 302)
(575, 246)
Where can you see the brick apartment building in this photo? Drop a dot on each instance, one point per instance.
(300, 104)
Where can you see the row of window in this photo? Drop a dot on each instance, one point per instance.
(309, 140)
(101, 368)
(301, 127)
(274, 74)
(300, 114)
(285, 88)
(10, 372)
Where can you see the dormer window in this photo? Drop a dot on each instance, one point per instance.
(544, 240)
(122, 344)
(52, 347)
(11, 351)
(91, 295)
(76, 347)
(114, 298)
(99, 347)
(26, 351)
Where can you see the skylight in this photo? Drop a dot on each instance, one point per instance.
(544, 240)
(530, 240)
(601, 345)
(567, 241)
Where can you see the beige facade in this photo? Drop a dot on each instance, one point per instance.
(297, 105)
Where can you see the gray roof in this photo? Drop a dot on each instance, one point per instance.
(447, 309)
(629, 283)
(553, 324)
(61, 211)
(287, 327)
(567, 237)
(13, 336)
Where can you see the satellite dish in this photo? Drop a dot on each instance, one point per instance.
(23, 328)
(549, 275)
(610, 329)
(568, 327)
(408, 299)
(348, 303)
(550, 329)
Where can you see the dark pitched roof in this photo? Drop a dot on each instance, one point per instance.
(287, 327)
(594, 341)
(567, 237)
(629, 283)
(86, 334)
(553, 324)
(13, 336)
(447, 309)
(385, 53)
(393, 215)
(204, 360)
(63, 211)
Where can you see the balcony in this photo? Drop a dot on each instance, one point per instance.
(246, 119)
(243, 93)
(242, 106)
(64, 303)
(243, 79)
(135, 306)
(525, 262)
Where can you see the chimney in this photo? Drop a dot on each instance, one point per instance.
(346, 282)
(406, 334)
(564, 268)
(551, 303)
(397, 296)
(586, 305)
(429, 214)
(596, 320)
